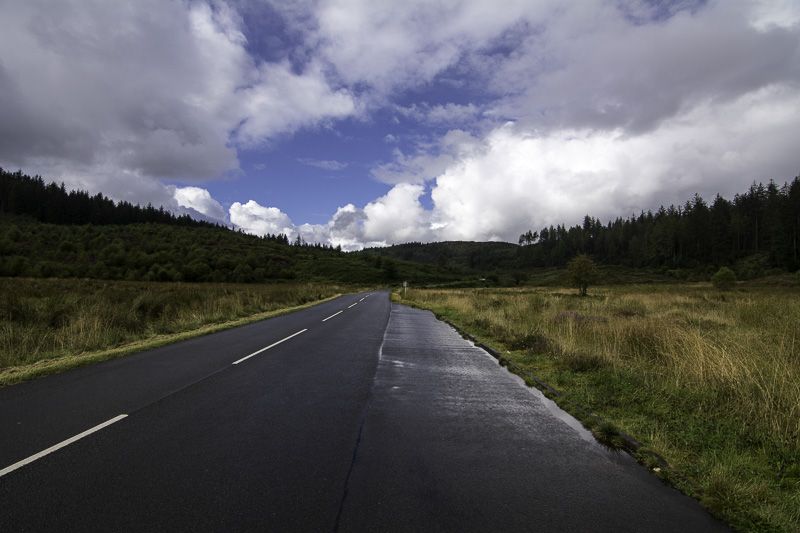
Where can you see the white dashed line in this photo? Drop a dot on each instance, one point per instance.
(245, 358)
(60, 445)
(355, 304)
(333, 315)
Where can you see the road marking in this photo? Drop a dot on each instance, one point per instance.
(355, 304)
(333, 315)
(245, 358)
(60, 445)
(362, 299)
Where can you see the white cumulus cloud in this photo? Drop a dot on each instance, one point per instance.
(259, 220)
(103, 93)
(200, 200)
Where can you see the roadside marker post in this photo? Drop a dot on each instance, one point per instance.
(405, 287)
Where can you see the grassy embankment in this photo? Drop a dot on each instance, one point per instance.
(709, 381)
(49, 325)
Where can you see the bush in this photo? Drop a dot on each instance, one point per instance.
(724, 279)
(582, 271)
(752, 266)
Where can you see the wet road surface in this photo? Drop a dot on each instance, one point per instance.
(375, 418)
(453, 442)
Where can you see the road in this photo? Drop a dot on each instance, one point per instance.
(353, 415)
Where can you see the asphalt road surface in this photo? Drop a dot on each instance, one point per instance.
(354, 415)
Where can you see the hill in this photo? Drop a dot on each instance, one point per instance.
(464, 256)
(47, 231)
(167, 252)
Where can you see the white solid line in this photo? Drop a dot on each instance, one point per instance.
(333, 315)
(60, 445)
(355, 304)
(245, 358)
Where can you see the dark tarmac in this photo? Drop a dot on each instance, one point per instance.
(380, 418)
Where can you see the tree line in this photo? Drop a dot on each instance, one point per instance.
(167, 252)
(758, 230)
(21, 194)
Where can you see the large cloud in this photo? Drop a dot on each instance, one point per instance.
(515, 179)
(260, 220)
(115, 91)
(200, 200)
(558, 110)
(591, 67)
(617, 108)
(398, 216)
(394, 45)
(522, 180)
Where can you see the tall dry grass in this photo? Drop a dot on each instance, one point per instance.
(709, 380)
(743, 345)
(49, 318)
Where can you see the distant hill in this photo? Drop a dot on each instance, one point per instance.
(464, 256)
(167, 252)
(47, 231)
(21, 194)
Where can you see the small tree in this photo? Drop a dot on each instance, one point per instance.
(582, 271)
(724, 279)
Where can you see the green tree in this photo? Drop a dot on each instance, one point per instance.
(582, 272)
(389, 270)
(724, 279)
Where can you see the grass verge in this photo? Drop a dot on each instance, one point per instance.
(48, 326)
(708, 381)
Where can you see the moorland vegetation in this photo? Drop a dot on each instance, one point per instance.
(707, 379)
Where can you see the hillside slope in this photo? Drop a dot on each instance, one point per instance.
(167, 252)
(461, 255)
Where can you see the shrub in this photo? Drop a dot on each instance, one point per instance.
(724, 279)
(582, 271)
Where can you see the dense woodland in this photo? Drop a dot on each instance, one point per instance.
(757, 231)
(465, 255)
(21, 194)
(164, 252)
(47, 231)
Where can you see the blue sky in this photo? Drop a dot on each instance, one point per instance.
(362, 123)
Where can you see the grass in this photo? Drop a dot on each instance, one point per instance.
(710, 381)
(48, 325)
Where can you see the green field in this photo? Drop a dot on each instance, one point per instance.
(48, 325)
(709, 381)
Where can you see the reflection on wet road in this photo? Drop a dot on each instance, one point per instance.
(452, 441)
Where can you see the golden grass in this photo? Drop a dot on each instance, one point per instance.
(744, 343)
(16, 374)
(48, 325)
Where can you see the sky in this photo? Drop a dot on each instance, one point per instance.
(371, 122)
